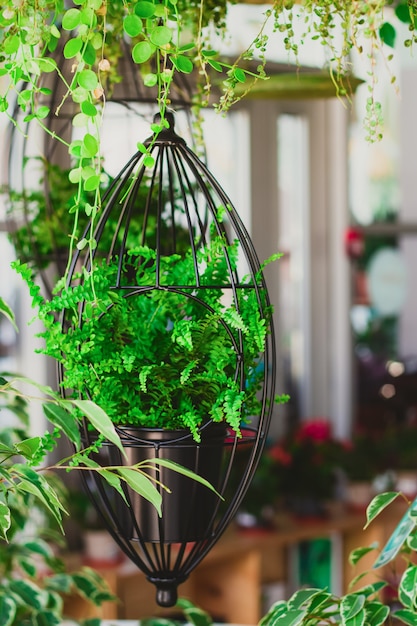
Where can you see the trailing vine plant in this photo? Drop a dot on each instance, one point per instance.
(166, 37)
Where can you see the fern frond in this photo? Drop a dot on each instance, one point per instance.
(234, 319)
(186, 372)
(143, 376)
(182, 334)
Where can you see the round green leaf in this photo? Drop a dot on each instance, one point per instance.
(72, 47)
(90, 145)
(150, 80)
(142, 51)
(11, 44)
(149, 161)
(87, 79)
(351, 605)
(183, 64)
(83, 31)
(144, 9)
(82, 244)
(88, 17)
(92, 183)
(408, 587)
(79, 94)
(160, 10)
(239, 75)
(89, 54)
(71, 19)
(388, 34)
(24, 96)
(42, 112)
(52, 44)
(88, 108)
(75, 148)
(80, 120)
(88, 172)
(55, 32)
(132, 25)
(75, 175)
(160, 35)
(97, 41)
(402, 11)
(166, 75)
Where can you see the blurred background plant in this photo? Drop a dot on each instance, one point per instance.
(307, 462)
(361, 457)
(34, 581)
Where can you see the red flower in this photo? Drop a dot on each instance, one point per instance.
(318, 430)
(281, 456)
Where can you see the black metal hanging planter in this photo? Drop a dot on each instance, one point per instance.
(186, 322)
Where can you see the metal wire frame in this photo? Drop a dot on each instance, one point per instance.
(176, 205)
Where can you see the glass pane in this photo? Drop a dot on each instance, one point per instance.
(293, 179)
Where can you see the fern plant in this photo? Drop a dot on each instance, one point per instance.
(156, 358)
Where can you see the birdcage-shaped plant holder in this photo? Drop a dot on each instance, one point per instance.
(187, 325)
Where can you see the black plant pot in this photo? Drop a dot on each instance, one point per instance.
(188, 508)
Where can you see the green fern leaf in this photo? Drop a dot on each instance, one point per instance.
(234, 319)
(143, 377)
(186, 372)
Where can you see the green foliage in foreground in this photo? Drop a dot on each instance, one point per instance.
(364, 606)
